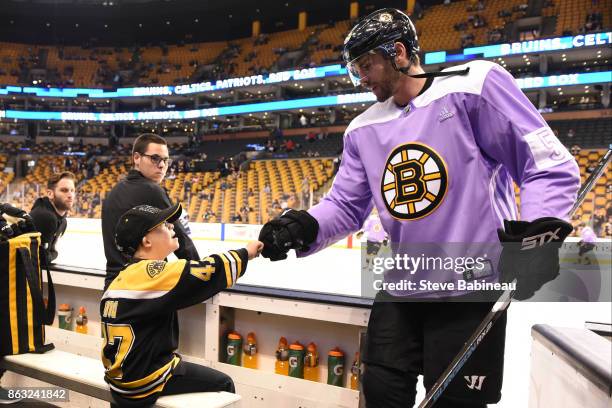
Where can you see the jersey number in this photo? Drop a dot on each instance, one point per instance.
(119, 337)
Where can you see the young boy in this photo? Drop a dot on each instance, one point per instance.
(139, 318)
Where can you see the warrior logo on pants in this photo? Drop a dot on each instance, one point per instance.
(414, 181)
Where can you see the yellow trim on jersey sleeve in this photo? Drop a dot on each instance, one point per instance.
(238, 263)
(228, 270)
(149, 275)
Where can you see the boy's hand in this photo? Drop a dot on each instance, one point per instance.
(254, 248)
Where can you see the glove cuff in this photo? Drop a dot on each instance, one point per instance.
(309, 224)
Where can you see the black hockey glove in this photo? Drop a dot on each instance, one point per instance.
(292, 230)
(6, 232)
(22, 222)
(530, 253)
(14, 211)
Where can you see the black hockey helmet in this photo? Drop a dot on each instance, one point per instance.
(379, 31)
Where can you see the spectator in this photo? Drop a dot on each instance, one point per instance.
(575, 150)
(303, 121)
(49, 213)
(289, 145)
(607, 229)
(598, 220)
(591, 167)
(571, 133)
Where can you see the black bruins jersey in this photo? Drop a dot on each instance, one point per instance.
(140, 323)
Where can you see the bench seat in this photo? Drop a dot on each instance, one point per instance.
(86, 376)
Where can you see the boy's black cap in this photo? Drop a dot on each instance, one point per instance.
(134, 224)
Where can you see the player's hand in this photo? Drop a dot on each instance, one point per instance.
(254, 248)
(292, 230)
(530, 253)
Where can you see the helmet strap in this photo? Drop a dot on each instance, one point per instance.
(404, 70)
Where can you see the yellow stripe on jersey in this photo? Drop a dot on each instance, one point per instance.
(149, 275)
(239, 271)
(154, 376)
(228, 270)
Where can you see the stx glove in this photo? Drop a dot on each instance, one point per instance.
(530, 253)
(292, 230)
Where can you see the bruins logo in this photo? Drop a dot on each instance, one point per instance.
(155, 268)
(414, 181)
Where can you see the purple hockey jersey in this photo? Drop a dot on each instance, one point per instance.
(441, 169)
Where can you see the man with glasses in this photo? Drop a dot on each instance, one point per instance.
(141, 186)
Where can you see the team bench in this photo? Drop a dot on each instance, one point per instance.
(85, 375)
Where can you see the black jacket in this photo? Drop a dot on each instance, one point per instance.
(135, 190)
(49, 223)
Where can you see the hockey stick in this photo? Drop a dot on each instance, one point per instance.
(500, 305)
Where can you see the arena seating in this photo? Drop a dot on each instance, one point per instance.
(587, 132)
(5, 178)
(329, 39)
(215, 197)
(571, 15)
(436, 32)
(285, 179)
(167, 65)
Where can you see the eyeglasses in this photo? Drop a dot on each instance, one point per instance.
(156, 159)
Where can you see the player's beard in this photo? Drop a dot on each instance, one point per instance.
(61, 205)
(388, 86)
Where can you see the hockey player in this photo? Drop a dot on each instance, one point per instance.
(437, 155)
(139, 319)
(587, 243)
(375, 237)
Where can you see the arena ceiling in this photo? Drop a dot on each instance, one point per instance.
(129, 22)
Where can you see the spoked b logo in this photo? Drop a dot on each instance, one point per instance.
(414, 181)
